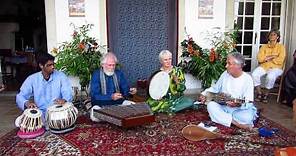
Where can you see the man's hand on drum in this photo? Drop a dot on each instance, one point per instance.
(30, 104)
(116, 96)
(60, 101)
(133, 91)
(202, 99)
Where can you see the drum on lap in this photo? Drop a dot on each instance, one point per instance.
(159, 89)
(61, 118)
(159, 85)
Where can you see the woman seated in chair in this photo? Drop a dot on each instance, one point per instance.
(271, 59)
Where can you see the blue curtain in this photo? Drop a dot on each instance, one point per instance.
(138, 30)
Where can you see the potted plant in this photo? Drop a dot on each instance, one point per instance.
(207, 64)
(80, 56)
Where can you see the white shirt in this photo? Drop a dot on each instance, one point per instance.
(241, 87)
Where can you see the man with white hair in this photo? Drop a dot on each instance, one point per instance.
(108, 84)
(237, 84)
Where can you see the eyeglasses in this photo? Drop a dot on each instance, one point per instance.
(110, 65)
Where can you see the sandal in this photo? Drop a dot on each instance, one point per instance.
(264, 98)
(258, 98)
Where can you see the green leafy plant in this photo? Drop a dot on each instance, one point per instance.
(207, 64)
(80, 56)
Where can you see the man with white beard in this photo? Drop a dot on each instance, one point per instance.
(108, 85)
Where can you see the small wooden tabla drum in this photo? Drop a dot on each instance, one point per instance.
(30, 123)
(159, 85)
(61, 118)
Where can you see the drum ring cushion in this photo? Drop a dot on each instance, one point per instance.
(30, 135)
(61, 131)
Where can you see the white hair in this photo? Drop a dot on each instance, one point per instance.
(238, 58)
(108, 55)
(163, 53)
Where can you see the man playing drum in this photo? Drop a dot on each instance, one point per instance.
(108, 84)
(173, 99)
(44, 88)
(238, 84)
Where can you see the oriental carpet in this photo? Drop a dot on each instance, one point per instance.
(162, 137)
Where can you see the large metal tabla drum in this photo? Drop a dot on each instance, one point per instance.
(61, 118)
(30, 123)
(159, 85)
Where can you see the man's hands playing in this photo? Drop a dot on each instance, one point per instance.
(133, 91)
(116, 96)
(202, 99)
(60, 101)
(30, 104)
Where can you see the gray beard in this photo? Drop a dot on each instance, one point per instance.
(109, 73)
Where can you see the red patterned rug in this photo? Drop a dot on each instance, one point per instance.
(160, 138)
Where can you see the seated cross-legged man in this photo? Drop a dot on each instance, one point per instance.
(237, 84)
(108, 85)
(45, 88)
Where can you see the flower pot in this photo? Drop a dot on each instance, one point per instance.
(76, 88)
(74, 80)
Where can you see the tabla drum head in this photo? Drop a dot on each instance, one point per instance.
(159, 85)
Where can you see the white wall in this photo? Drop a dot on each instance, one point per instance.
(290, 33)
(58, 21)
(198, 28)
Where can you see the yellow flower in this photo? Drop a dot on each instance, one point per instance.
(54, 51)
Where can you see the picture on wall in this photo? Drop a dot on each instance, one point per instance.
(205, 9)
(76, 8)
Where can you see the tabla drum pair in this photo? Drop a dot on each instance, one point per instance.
(61, 118)
(30, 124)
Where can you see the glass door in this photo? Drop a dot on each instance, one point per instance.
(254, 20)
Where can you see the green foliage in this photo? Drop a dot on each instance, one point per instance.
(80, 56)
(207, 64)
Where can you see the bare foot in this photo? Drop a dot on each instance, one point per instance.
(243, 126)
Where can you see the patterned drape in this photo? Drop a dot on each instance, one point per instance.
(138, 30)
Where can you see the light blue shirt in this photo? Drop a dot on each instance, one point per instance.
(44, 92)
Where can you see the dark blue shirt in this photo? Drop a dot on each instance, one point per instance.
(100, 99)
